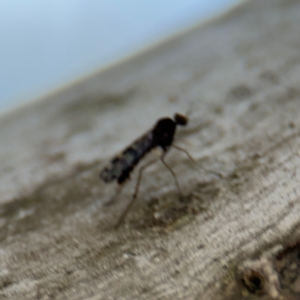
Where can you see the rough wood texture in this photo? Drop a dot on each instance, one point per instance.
(237, 234)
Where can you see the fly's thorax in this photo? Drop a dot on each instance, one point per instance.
(163, 132)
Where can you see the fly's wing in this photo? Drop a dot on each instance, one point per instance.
(121, 166)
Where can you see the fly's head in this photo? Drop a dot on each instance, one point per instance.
(180, 119)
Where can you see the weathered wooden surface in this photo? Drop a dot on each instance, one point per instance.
(240, 223)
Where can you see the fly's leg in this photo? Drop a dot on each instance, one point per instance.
(115, 196)
(193, 160)
(173, 174)
(134, 196)
(184, 151)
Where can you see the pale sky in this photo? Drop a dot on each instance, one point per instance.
(46, 44)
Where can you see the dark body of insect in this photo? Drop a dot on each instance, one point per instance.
(161, 135)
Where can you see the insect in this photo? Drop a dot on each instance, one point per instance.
(120, 167)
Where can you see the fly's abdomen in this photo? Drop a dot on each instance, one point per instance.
(121, 166)
(112, 171)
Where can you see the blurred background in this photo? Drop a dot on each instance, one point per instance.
(47, 44)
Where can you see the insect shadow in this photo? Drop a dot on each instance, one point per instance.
(120, 167)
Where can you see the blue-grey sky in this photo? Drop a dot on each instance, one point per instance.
(46, 44)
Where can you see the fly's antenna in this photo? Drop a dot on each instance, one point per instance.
(191, 108)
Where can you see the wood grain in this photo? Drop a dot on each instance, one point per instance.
(236, 235)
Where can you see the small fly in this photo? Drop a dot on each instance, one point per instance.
(120, 167)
